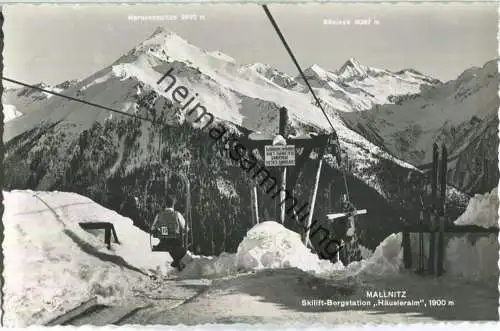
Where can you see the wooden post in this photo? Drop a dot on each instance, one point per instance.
(283, 196)
(189, 220)
(255, 205)
(432, 241)
(406, 242)
(406, 250)
(312, 203)
(337, 254)
(282, 132)
(420, 262)
(442, 200)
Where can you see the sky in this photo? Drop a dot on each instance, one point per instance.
(54, 43)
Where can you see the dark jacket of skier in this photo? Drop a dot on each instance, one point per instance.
(170, 227)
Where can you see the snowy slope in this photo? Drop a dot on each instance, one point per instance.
(52, 264)
(476, 257)
(28, 99)
(236, 94)
(274, 75)
(355, 87)
(246, 95)
(65, 145)
(470, 256)
(409, 128)
(462, 114)
(10, 112)
(481, 211)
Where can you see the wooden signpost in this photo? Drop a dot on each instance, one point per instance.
(281, 154)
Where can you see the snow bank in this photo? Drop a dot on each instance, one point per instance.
(51, 264)
(366, 253)
(10, 112)
(209, 266)
(482, 210)
(386, 259)
(70, 209)
(475, 257)
(269, 245)
(472, 260)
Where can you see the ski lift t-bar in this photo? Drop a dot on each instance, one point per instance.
(278, 31)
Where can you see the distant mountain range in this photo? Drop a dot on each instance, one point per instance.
(57, 144)
(461, 113)
(17, 99)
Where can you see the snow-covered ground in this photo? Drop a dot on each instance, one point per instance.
(482, 210)
(476, 257)
(472, 258)
(449, 113)
(20, 101)
(52, 264)
(10, 112)
(269, 245)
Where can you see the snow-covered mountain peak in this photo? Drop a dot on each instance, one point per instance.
(42, 85)
(163, 37)
(319, 71)
(352, 63)
(318, 75)
(353, 69)
(274, 75)
(461, 113)
(27, 91)
(409, 71)
(166, 46)
(315, 67)
(259, 67)
(160, 31)
(491, 67)
(221, 56)
(478, 74)
(18, 101)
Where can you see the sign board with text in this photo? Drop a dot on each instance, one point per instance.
(279, 156)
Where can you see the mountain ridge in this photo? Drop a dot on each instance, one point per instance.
(65, 146)
(454, 113)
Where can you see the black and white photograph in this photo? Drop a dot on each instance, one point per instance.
(280, 164)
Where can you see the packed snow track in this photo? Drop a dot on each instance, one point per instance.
(275, 297)
(272, 278)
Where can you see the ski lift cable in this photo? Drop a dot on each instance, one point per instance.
(77, 100)
(278, 31)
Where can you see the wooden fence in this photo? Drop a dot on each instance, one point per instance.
(430, 259)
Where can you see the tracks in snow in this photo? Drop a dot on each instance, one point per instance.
(139, 307)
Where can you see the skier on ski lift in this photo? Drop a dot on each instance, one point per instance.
(170, 227)
(342, 230)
